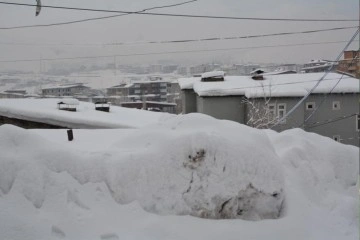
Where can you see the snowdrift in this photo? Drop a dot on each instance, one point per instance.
(188, 165)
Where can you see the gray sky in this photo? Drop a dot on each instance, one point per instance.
(153, 28)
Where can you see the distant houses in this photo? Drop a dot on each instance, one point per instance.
(317, 66)
(155, 90)
(65, 90)
(333, 106)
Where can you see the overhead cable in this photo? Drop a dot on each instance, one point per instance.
(326, 95)
(183, 40)
(187, 15)
(318, 82)
(171, 52)
(93, 19)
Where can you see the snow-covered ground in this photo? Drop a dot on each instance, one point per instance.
(146, 183)
(45, 111)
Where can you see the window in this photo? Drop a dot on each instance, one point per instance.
(272, 110)
(281, 111)
(336, 105)
(357, 122)
(137, 91)
(310, 106)
(336, 138)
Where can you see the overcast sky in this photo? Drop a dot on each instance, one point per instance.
(134, 28)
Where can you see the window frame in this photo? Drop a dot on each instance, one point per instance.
(278, 111)
(357, 118)
(338, 103)
(310, 103)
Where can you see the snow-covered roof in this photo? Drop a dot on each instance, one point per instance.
(65, 86)
(69, 101)
(45, 111)
(286, 85)
(213, 74)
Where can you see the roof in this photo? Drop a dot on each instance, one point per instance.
(45, 110)
(66, 86)
(282, 85)
(69, 101)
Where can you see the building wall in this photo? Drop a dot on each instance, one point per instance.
(188, 98)
(295, 120)
(345, 128)
(229, 107)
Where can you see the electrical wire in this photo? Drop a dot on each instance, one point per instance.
(183, 41)
(187, 15)
(317, 84)
(170, 52)
(318, 124)
(96, 18)
(325, 97)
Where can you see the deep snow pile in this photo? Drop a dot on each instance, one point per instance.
(189, 165)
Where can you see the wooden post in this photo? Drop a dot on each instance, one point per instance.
(70, 134)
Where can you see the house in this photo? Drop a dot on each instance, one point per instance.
(151, 106)
(155, 90)
(65, 90)
(350, 64)
(316, 66)
(13, 94)
(333, 105)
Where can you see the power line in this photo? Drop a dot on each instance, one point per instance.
(318, 82)
(183, 40)
(170, 52)
(187, 15)
(325, 97)
(242, 37)
(93, 19)
(318, 124)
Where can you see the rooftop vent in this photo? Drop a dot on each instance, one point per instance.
(68, 104)
(215, 76)
(258, 77)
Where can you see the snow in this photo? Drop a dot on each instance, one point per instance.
(287, 85)
(45, 111)
(69, 101)
(213, 74)
(141, 183)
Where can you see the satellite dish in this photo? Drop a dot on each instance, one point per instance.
(38, 7)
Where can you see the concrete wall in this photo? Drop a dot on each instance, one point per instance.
(345, 128)
(188, 98)
(295, 120)
(229, 107)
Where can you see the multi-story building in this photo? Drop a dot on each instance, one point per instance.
(350, 64)
(65, 90)
(142, 90)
